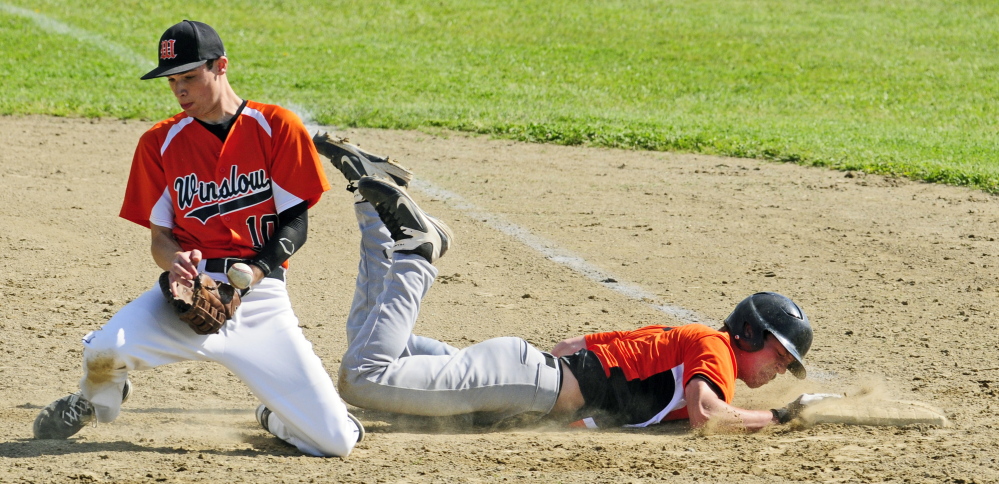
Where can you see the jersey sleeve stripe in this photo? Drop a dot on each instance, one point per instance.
(162, 212)
(283, 200)
(259, 116)
(174, 130)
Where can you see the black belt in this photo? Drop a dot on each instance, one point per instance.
(222, 266)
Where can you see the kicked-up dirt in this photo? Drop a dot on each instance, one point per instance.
(899, 279)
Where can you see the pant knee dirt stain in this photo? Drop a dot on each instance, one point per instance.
(100, 369)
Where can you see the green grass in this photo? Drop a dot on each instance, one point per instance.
(904, 87)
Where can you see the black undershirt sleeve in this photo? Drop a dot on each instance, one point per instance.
(714, 386)
(293, 228)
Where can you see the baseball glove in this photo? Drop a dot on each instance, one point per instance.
(206, 306)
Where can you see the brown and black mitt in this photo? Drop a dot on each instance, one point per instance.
(206, 306)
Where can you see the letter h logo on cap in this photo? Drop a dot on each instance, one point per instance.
(167, 49)
(185, 46)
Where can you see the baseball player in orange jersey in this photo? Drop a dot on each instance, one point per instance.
(224, 181)
(631, 378)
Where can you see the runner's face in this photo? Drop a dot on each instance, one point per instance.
(760, 367)
(198, 92)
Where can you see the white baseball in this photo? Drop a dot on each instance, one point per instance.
(240, 275)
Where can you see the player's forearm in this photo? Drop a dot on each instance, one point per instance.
(720, 415)
(753, 419)
(164, 247)
(289, 237)
(704, 407)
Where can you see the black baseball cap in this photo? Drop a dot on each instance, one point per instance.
(186, 46)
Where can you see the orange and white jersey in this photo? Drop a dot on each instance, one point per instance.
(223, 198)
(648, 368)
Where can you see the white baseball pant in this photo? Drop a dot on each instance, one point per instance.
(262, 345)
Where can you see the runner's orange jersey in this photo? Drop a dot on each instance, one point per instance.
(657, 351)
(225, 200)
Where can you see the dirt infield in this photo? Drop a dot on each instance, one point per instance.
(899, 279)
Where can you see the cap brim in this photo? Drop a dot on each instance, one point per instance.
(169, 71)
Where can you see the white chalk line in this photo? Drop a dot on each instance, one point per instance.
(554, 253)
(48, 24)
(545, 248)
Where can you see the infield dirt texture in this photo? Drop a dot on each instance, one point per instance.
(899, 279)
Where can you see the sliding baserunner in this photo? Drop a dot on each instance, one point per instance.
(634, 378)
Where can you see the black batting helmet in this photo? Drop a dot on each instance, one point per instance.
(769, 312)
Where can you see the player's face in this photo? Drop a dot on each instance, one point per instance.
(760, 367)
(198, 91)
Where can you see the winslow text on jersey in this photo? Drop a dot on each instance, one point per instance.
(236, 192)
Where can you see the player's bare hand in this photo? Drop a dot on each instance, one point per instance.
(569, 346)
(185, 267)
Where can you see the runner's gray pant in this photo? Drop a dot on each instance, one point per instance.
(387, 368)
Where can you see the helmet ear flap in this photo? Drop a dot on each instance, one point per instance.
(750, 338)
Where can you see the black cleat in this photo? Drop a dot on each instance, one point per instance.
(355, 163)
(413, 231)
(68, 415)
(357, 423)
(264, 415)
